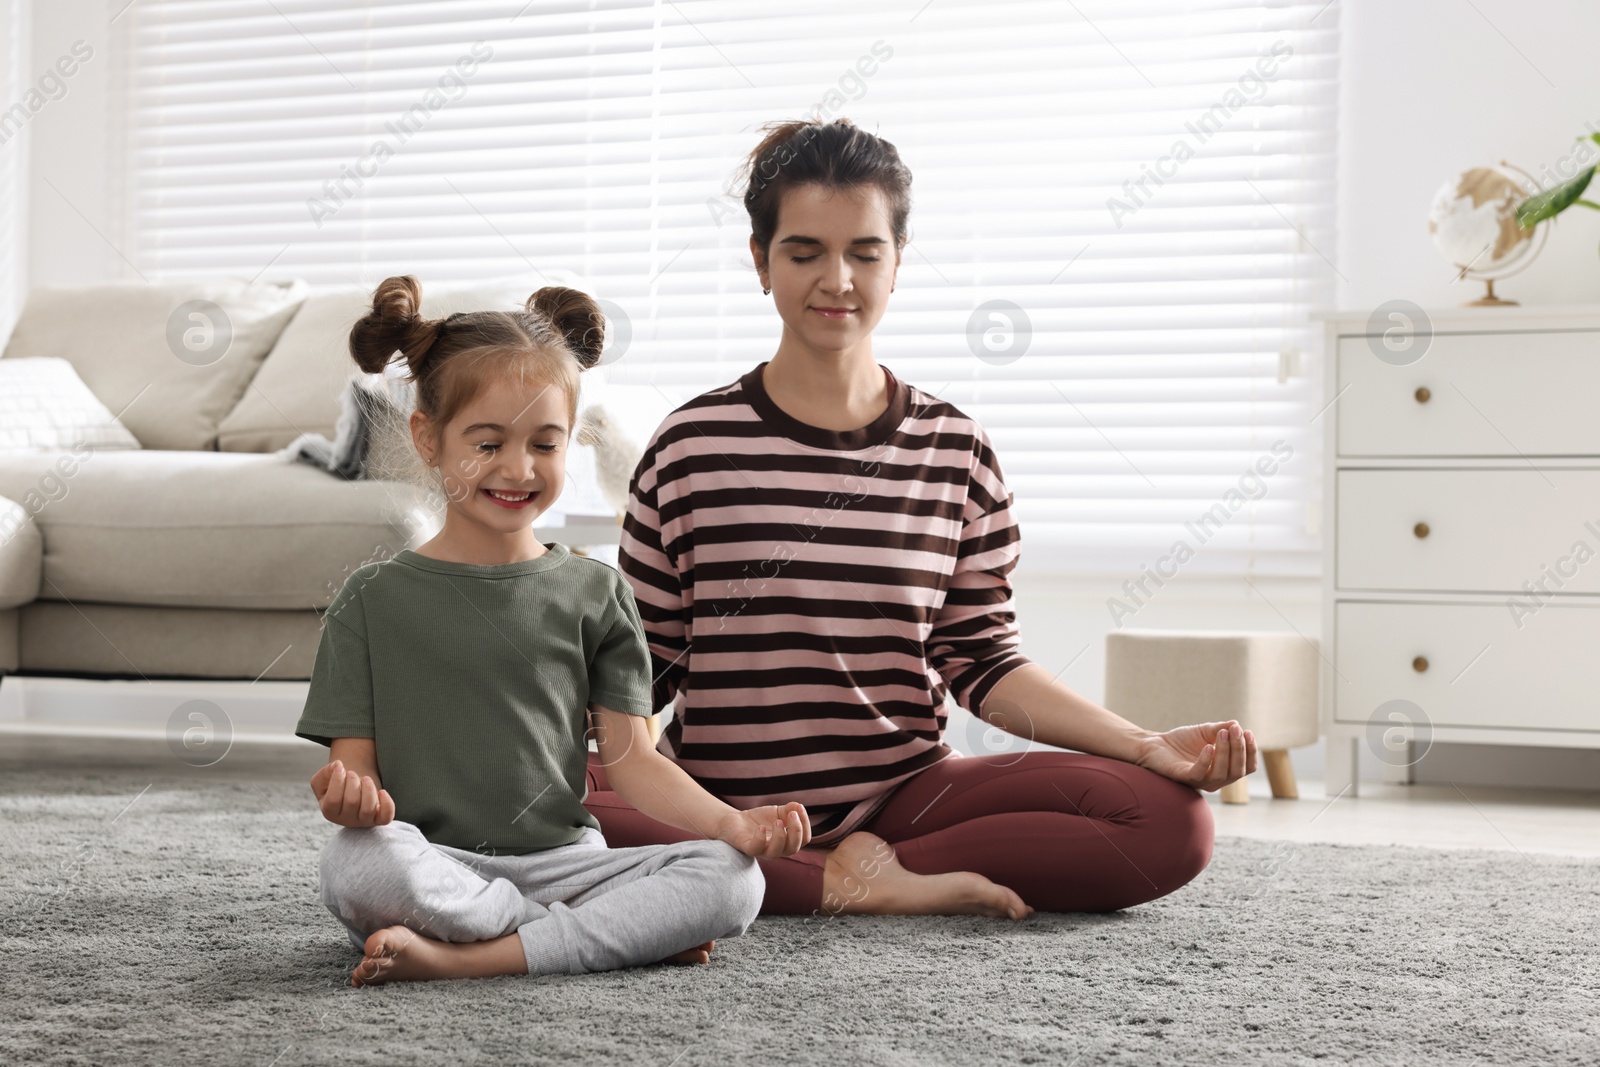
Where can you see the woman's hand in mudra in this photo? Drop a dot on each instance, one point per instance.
(773, 830)
(1207, 755)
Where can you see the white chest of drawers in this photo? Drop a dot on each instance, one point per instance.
(1461, 532)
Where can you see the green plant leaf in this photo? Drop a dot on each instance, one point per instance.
(1552, 202)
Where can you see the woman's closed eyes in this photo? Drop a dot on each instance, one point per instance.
(808, 259)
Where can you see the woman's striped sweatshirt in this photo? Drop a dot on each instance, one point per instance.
(811, 596)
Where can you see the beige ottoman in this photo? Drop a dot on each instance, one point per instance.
(1161, 679)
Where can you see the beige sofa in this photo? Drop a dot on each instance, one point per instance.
(202, 554)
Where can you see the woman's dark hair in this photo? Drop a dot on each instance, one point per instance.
(558, 333)
(835, 155)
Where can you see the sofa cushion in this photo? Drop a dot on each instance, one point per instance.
(205, 529)
(21, 552)
(160, 356)
(44, 404)
(298, 387)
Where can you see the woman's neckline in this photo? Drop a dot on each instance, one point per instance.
(873, 433)
(554, 555)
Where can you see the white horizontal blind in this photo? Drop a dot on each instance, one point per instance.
(13, 160)
(601, 137)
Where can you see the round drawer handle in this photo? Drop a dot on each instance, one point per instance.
(1423, 394)
(1420, 529)
(1419, 664)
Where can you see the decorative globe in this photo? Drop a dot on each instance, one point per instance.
(1473, 220)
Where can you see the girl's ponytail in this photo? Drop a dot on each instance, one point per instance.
(394, 324)
(576, 316)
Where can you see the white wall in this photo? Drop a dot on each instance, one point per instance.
(1428, 88)
(16, 76)
(72, 203)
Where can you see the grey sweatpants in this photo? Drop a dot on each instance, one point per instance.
(578, 907)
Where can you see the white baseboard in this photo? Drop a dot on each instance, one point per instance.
(263, 711)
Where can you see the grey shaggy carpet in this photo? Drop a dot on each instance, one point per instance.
(185, 928)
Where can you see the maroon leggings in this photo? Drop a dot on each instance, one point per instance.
(1066, 831)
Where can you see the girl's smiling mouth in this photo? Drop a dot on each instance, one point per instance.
(834, 313)
(509, 498)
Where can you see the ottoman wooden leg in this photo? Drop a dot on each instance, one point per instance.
(1236, 792)
(1280, 772)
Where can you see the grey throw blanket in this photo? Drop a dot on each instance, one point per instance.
(372, 436)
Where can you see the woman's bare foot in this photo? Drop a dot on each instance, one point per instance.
(399, 954)
(863, 877)
(698, 954)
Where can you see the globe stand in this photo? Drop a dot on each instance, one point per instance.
(1489, 300)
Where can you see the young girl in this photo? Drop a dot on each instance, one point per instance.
(451, 685)
(822, 555)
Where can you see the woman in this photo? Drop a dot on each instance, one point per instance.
(820, 553)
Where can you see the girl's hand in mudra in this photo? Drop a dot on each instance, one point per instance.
(773, 830)
(1207, 755)
(350, 799)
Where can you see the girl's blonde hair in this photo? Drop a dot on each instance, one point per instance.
(557, 334)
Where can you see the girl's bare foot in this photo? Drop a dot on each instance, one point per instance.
(400, 954)
(863, 877)
(698, 954)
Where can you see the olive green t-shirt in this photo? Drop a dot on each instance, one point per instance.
(473, 680)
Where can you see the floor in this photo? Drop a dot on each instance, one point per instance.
(185, 928)
(1551, 821)
(1557, 822)
(192, 923)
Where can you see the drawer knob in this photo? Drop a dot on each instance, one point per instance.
(1419, 664)
(1420, 529)
(1423, 394)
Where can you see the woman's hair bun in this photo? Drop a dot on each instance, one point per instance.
(395, 324)
(578, 318)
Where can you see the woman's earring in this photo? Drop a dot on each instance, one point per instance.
(766, 292)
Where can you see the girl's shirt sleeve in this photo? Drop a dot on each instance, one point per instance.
(619, 672)
(339, 703)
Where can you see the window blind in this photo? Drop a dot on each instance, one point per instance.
(1122, 211)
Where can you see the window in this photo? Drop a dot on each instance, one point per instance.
(1147, 186)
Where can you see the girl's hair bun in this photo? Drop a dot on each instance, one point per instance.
(395, 324)
(576, 316)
